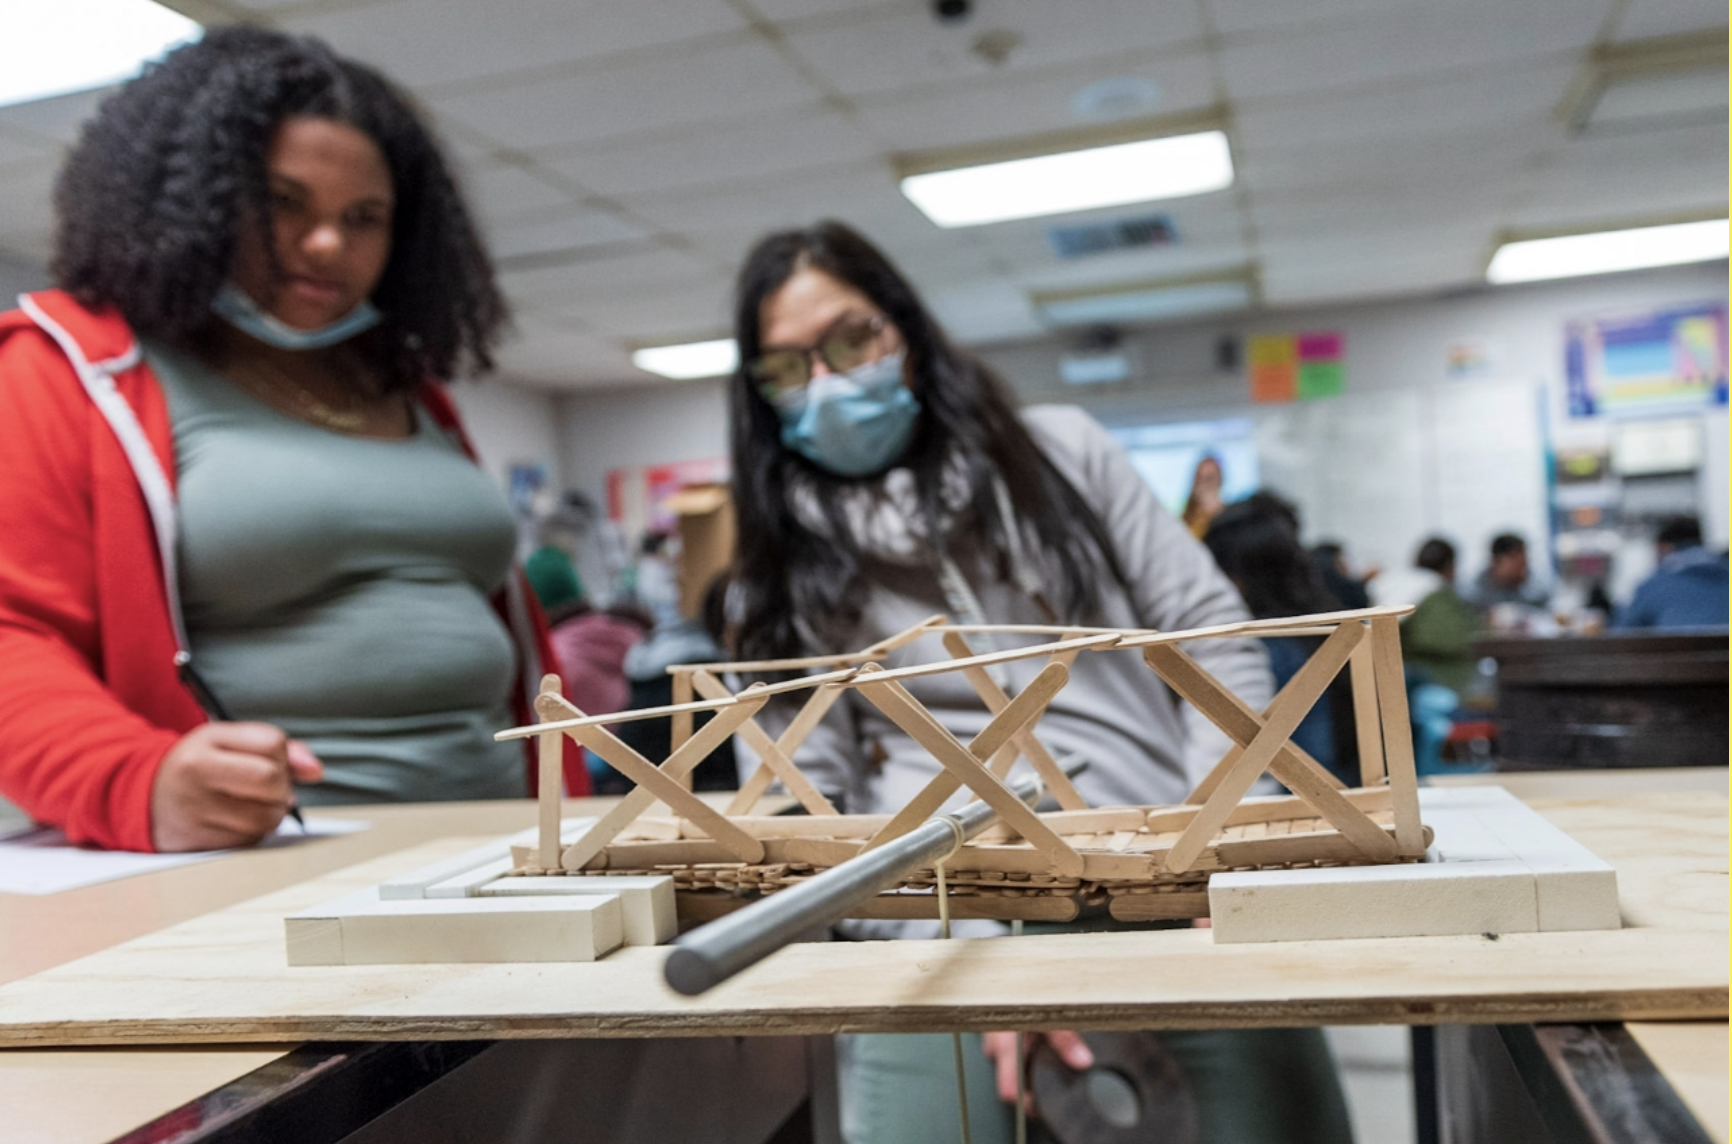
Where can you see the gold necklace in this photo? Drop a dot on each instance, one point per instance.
(309, 408)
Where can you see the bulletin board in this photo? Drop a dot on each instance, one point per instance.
(1665, 361)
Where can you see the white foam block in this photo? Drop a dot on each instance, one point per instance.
(1412, 900)
(646, 899)
(468, 884)
(414, 884)
(1577, 890)
(361, 929)
(1495, 865)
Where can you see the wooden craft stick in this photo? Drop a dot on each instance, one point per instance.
(902, 709)
(1025, 741)
(1281, 849)
(1274, 808)
(680, 725)
(1021, 711)
(1009, 655)
(1226, 710)
(550, 782)
(1159, 907)
(1060, 630)
(817, 705)
(663, 786)
(695, 750)
(757, 689)
(1302, 774)
(1366, 724)
(906, 636)
(1326, 620)
(769, 751)
(1397, 734)
(844, 826)
(1285, 713)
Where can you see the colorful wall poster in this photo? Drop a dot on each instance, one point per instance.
(1297, 367)
(1663, 361)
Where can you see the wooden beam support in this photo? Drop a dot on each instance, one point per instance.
(906, 712)
(1397, 734)
(1025, 741)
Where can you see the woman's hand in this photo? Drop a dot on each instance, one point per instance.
(227, 784)
(1001, 1050)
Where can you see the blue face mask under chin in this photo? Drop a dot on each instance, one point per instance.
(234, 306)
(853, 424)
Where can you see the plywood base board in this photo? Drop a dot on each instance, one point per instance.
(363, 929)
(1495, 866)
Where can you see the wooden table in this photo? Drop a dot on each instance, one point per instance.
(221, 977)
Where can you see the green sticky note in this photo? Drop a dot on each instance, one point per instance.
(1321, 379)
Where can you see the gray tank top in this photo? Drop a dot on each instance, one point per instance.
(338, 587)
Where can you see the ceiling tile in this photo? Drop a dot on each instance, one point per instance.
(431, 44)
(1234, 16)
(1647, 18)
(1627, 178)
(501, 192)
(1498, 103)
(58, 118)
(570, 287)
(751, 149)
(1009, 106)
(894, 48)
(559, 229)
(1400, 46)
(675, 88)
(850, 192)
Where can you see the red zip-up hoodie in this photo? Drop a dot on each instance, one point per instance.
(90, 695)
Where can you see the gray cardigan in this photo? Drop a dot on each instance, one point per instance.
(1142, 744)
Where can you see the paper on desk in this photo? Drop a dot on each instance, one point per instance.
(41, 861)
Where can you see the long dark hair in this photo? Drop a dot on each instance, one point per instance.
(152, 197)
(785, 570)
(1256, 543)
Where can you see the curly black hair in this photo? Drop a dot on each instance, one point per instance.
(151, 198)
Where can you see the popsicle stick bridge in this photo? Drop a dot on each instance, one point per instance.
(1140, 862)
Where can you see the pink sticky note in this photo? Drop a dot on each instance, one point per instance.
(1320, 347)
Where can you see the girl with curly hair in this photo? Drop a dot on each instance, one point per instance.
(246, 545)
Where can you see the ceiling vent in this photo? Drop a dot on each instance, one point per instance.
(1671, 81)
(1115, 234)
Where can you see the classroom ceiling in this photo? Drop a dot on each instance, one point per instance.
(623, 156)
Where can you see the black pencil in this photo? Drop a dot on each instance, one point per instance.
(214, 708)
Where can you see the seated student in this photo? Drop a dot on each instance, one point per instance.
(1437, 639)
(1507, 579)
(881, 475)
(1687, 590)
(1256, 543)
(246, 542)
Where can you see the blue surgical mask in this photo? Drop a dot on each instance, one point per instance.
(855, 423)
(234, 306)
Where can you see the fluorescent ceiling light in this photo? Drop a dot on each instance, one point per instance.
(1146, 304)
(691, 360)
(1608, 251)
(1075, 180)
(52, 47)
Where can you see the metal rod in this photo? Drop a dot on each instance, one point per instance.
(711, 954)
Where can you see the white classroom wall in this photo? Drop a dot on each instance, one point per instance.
(511, 425)
(649, 423)
(1405, 453)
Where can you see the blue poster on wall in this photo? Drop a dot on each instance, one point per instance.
(1666, 361)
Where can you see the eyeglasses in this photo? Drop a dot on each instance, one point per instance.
(850, 342)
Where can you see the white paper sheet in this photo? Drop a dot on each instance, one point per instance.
(41, 861)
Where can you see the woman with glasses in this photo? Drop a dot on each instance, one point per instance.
(882, 475)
